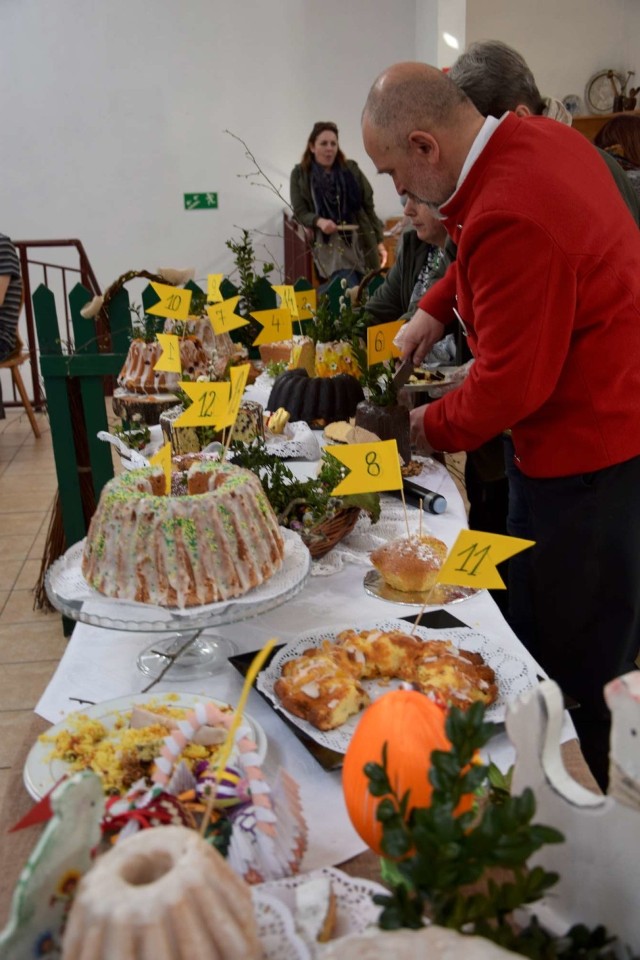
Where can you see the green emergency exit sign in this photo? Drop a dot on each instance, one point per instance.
(201, 201)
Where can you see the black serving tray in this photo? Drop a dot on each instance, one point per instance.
(330, 759)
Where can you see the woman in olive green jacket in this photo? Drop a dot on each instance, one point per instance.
(332, 197)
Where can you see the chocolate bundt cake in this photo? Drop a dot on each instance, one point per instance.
(388, 423)
(316, 399)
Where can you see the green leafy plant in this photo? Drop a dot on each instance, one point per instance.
(378, 379)
(301, 504)
(144, 326)
(276, 367)
(248, 275)
(133, 432)
(435, 855)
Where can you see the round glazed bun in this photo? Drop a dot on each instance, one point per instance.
(436, 943)
(410, 563)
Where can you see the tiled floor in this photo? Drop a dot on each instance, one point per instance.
(31, 642)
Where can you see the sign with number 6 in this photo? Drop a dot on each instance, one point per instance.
(380, 345)
(374, 467)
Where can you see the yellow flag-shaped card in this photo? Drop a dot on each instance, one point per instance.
(472, 560)
(163, 459)
(223, 318)
(380, 345)
(174, 302)
(210, 404)
(170, 359)
(374, 467)
(276, 325)
(287, 298)
(213, 287)
(239, 376)
(307, 301)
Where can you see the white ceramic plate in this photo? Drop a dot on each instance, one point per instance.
(41, 774)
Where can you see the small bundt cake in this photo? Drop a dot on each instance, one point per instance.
(217, 542)
(138, 374)
(162, 893)
(318, 400)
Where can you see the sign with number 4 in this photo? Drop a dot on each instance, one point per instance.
(472, 560)
(276, 325)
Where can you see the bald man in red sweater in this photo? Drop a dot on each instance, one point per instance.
(547, 287)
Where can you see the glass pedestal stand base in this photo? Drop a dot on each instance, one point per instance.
(187, 655)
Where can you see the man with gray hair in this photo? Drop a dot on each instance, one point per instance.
(547, 281)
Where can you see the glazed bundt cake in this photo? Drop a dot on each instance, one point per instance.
(217, 542)
(162, 893)
(138, 374)
(318, 400)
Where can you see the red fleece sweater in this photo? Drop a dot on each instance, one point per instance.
(547, 282)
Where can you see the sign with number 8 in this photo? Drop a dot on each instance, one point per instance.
(374, 467)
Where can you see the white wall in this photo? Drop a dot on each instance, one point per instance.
(564, 41)
(112, 110)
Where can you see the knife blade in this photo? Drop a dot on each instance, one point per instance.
(402, 374)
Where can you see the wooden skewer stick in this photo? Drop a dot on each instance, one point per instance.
(406, 515)
(420, 527)
(424, 606)
(228, 744)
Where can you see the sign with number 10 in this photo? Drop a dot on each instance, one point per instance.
(175, 302)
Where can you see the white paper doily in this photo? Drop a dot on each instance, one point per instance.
(298, 442)
(276, 928)
(70, 593)
(356, 911)
(513, 675)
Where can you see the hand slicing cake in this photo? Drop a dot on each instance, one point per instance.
(324, 685)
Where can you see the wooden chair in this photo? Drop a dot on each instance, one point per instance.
(13, 363)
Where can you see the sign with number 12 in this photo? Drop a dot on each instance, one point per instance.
(374, 467)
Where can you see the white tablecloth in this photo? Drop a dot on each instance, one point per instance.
(100, 664)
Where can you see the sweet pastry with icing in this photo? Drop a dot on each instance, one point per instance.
(184, 440)
(138, 374)
(321, 686)
(316, 400)
(436, 943)
(324, 684)
(410, 563)
(280, 351)
(219, 347)
(162, 893)
(217, 542)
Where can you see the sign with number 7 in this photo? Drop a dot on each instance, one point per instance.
(472, 560)
(374, 467)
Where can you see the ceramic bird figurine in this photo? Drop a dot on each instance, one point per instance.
(44, 892)
(598, 863)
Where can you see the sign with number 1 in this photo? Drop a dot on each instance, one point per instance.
(175, 302)
(472, 560)
(170, 359)
(374, 467)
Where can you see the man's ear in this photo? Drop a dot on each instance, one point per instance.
(521, 110)
(425, 144)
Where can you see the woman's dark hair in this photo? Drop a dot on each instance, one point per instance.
(318, 128)
(622, 132)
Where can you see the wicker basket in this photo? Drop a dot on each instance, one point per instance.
(325, 535)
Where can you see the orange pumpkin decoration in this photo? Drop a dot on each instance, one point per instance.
(412, 726)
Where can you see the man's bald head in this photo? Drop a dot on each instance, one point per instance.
(410, 96)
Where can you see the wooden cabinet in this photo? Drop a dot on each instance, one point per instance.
(590, 125)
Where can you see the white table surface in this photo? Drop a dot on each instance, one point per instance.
(100, 664)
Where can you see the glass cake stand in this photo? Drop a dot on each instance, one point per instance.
(186, 647)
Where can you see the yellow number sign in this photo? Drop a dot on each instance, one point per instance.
(239, 376)
(213, 287)
(472, 560)
(170, 359)
(174, 302)
(304, 297)
(373, 467)
(163, 459)
(222, 316)
(276, 325)
(210, 404)
(380, 345)
(287, 298)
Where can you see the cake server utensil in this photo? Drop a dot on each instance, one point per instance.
(402, 374)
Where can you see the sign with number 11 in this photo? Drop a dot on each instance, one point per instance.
(472, 560)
